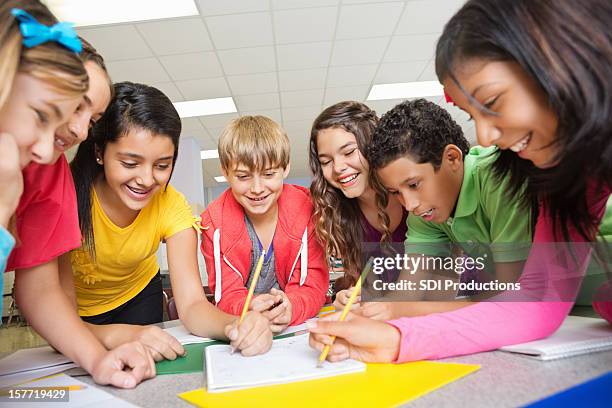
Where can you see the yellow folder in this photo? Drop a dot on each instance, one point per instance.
(381, 385)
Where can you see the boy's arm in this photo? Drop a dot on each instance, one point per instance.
(200, 317)
(307, 300)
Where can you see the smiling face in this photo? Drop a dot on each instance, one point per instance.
(92, 107)
(514, 112)
(32, 114)
(342, 163)
(421, 189)
(256, 191)
(137, 166)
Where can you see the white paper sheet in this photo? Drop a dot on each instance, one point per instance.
(290, 359)
(89, 396)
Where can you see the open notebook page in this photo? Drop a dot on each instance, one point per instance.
(290, 359)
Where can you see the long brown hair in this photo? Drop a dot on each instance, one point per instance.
(338, 219)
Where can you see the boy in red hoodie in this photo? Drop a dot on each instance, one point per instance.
(259, 212)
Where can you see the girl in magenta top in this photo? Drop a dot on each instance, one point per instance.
(349, 220)
(550, 114)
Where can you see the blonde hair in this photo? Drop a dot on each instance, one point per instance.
(254, 141)
(50, 62)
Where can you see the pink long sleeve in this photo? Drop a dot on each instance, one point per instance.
(550, 279)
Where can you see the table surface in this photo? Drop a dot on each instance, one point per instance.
(504, 380)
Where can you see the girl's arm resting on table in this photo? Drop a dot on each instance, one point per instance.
(161, 344)
(198, 315)
(50, 312)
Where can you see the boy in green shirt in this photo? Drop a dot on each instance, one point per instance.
(458, 205)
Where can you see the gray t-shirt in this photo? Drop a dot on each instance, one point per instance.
(267, 276)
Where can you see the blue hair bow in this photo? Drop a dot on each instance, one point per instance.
(35, 33)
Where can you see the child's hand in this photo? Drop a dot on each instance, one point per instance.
(252, 336)
(342, 298)
(279, 316)
(11, 180)
(161, 345)
(124, 366)
(357, 337)
(378, 310)
(261, 303)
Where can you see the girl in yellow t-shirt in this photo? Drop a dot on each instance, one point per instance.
(126, 208)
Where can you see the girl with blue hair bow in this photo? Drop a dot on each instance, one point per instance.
(42, 81)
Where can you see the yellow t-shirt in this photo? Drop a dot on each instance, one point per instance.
(125, 257)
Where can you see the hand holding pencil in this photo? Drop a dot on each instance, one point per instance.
(347, 335)
(250, 333)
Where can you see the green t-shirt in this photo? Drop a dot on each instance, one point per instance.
(484, 214)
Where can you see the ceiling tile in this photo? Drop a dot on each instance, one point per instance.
(426, 16)
(411, 48)
(191, 124)
(215, 132)
(253, 83)
(192, 66)
(346, 93)
(301, 113)
(106, 39)
(303, 56)
(381, 107)
(240, 30)
(206, 143)
(182, 36)
(214, 7)
(246, 103)
(293, 4)
(170, 90)
(292, 99)
(204, 88)
(348, 76)
(357, 52)
(305, 25)
(368, 20)
(367, 1)
(274, 114)
(248, 60)
(145, 70)
(399, 72)
(298, 131)
(429, 73)
(217, 121)
(302, 79)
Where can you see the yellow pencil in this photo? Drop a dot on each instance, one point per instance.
(245, 308)
(345, 311)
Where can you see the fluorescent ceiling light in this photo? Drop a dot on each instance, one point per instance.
(96, 12)
(220, 179)
(209, 154)
(405, 90)
(205, 107)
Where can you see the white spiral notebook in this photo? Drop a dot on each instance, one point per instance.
(290, 359)
(577, 335)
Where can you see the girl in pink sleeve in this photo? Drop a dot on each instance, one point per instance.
(543, 96)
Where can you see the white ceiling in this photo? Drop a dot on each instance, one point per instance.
(286, 59)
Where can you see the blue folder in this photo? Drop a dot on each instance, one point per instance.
(593, 393)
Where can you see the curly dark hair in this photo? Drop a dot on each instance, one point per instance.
(419, 129)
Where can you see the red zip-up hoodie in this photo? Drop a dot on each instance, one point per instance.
(301, 270)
